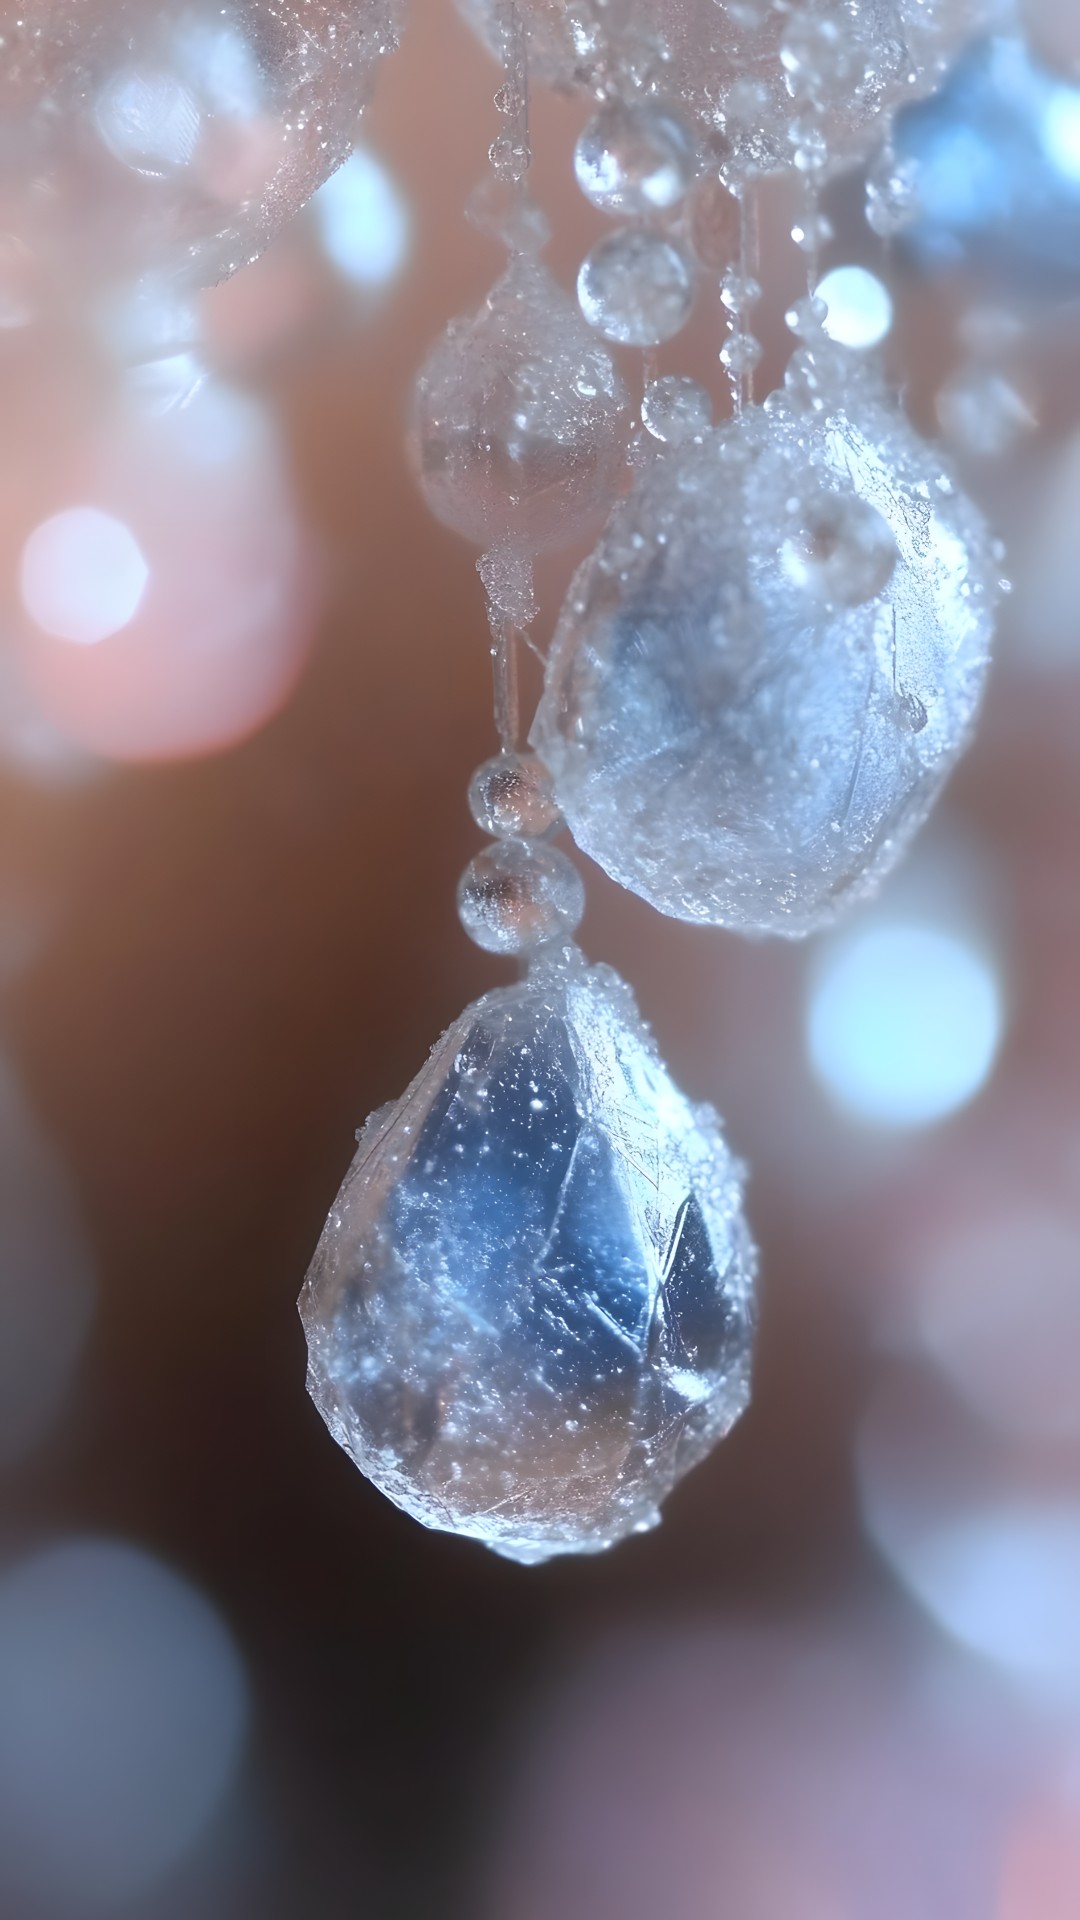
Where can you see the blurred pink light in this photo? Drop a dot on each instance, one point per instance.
(1000, 1314)
(837, 1771)
(224, 621)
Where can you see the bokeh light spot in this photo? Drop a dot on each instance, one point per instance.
(904, 1023)
(860, 307)
(83, 575)
(1061, 132)
(123, 1710)
(363, 222)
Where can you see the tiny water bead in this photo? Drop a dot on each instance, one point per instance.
(634, 159)
(675, 408)
(763, 676)
(520, 420)
(636, 287)
(531, 1310)
(841, 550)
(510, 797)
(518, 895)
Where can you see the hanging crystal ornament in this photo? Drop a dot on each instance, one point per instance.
(722, 61)
(530, 1313)
(520, 420)
(531, 1309)
(145, 134)
(765, 672)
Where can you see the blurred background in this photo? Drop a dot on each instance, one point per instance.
(243, 682)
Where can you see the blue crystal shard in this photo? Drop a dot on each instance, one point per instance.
(531, 1309)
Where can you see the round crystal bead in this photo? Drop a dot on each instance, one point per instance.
(637, 288)
(518, 895)
(510, 797)
(634, 159)
(676, 409)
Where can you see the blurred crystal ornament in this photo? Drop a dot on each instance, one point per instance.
(142, 132)
(764, 674)
(530, 1312)
(520, 421)
(636, 287)
(993, 161)
(741, 74)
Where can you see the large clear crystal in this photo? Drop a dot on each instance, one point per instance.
(530, 1311)
(767, 669)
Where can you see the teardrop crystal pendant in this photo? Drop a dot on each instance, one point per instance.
(765, 672)
(530, 1312)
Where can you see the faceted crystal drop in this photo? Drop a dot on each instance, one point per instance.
(634, 159)
(636, 287)
(728, 710)
(530, 1312)
(520, 421)
(142, 133)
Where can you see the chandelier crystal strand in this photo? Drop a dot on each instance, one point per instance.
(531, 1309)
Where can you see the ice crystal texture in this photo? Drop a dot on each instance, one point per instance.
(740, 73)
(143, 133)
(765, 672)
(530, 1312)
(520, 421)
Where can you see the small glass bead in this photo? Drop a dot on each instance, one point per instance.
(806, 319)
(813, 232)
(810, 150)
(510, 797)
(892, 194)
(519, 894)
(676, 409)
(739, 291)
(741, 354)
(636, 287)
(634, 159)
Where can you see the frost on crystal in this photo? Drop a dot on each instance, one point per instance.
(530, 1312)
(765, 672)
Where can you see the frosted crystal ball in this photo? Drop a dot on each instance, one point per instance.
(530, 1312)
(767, 669)
(742, 75)
(140, 133)
(520, 420)
(634, 159)
(675, 408)
(636, 287)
